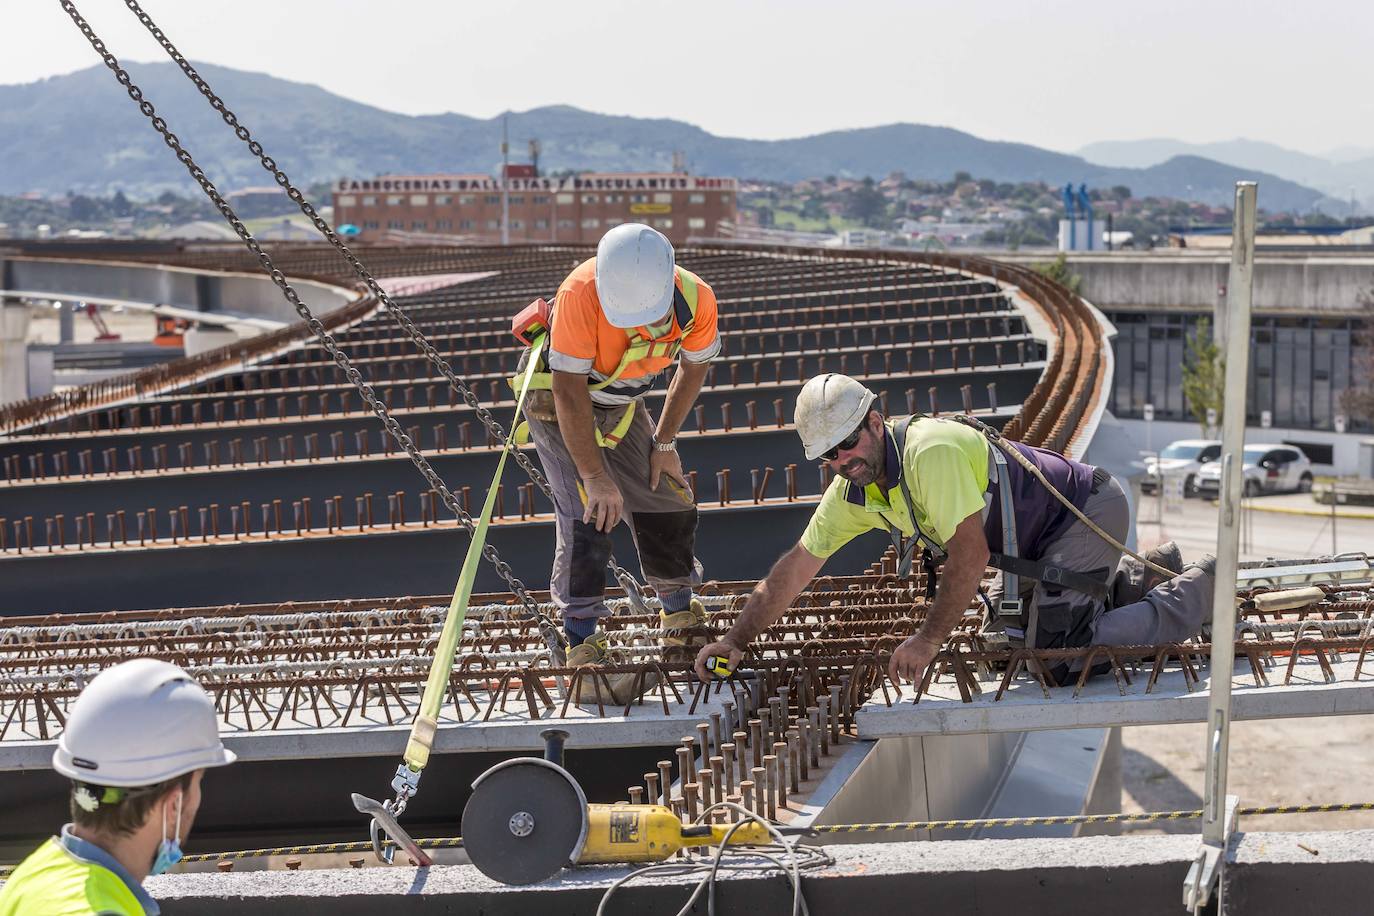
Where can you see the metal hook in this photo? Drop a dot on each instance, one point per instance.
(384, 816)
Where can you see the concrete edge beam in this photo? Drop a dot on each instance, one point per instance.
(1268, 873)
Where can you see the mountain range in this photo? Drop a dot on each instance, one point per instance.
(80, 132)
(1340, 173)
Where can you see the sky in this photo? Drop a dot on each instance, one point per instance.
(1053, 73)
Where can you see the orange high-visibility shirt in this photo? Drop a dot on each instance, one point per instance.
(582, 341)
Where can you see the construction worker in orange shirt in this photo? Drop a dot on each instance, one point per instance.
(618, 320)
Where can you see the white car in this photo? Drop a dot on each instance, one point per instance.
(1183, 458)
(1266, 469)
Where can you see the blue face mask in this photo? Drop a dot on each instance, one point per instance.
(169, 850)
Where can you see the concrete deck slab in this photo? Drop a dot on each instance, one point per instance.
(1101, 704)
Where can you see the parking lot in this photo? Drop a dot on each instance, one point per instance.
(1284, 761)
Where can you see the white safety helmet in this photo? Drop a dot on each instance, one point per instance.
(138, 724)
(634, 275)
(829, 408)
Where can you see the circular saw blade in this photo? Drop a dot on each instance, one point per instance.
(524, 822)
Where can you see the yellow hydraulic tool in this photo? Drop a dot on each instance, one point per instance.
(527, 819)
(651, 833)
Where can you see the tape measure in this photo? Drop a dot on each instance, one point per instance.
(719, 665)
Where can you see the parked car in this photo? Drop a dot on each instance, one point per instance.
(1183, 458)
(1266, 469)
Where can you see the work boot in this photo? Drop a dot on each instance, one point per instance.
(1208, 564)
(610, 689)
(1134, 579)
(684, 632)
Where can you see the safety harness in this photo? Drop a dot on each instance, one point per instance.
(640, 347)
(1010, 610)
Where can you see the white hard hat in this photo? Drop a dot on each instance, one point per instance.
(137, 724)
(829, 408)
(634, 275)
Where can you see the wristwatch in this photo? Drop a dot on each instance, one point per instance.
(669, 446)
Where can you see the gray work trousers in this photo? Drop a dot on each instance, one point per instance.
(663, 521)
(1171, 612)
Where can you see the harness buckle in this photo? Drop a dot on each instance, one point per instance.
(1010, 608)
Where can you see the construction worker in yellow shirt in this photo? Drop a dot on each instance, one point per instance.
(137, 742)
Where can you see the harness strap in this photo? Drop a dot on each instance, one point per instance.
(521, 435)
(426, 725)
(1010, 607)
(904, 546)
(1049, 575)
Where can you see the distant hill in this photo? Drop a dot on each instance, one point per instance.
(80, 132)
(1336, 173)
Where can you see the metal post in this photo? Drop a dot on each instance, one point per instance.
(505, 184)
(1208, 868)
(1160, 485)
(1334, 496)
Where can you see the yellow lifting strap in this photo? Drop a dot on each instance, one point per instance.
(640, 347)
(427, 719)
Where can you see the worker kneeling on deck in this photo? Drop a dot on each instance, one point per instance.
(618, 320)
(137, 741)
(948, 485)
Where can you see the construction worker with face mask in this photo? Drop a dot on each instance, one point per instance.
(956, 488)
(136, 744)
(619, 319)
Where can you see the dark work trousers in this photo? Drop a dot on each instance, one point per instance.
(1170, 612)
(663, 521)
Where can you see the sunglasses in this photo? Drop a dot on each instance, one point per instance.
(847, 443)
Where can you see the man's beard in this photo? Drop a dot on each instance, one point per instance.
(859, 471)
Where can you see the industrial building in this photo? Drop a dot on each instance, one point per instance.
(1309, 310)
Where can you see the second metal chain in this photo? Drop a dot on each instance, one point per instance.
(325, 339)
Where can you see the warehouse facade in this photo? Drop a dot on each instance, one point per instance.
(576, 208)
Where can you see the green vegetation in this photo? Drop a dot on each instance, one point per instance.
(1058, 271)
(1204, 375)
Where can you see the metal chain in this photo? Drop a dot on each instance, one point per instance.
(325, 338)
(456, 382)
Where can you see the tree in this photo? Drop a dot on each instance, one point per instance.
(82, 208)
(120, 204)
(1204, 374)
(1058, 271)
(813, 207)
(867, 205)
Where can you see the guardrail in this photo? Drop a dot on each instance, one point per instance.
(19, 415)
